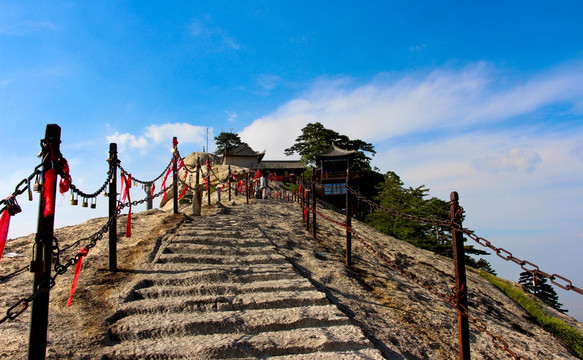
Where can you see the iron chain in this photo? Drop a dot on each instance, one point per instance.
(60, 268)
(151, 181)
(452, 298)
(76, 190)
(534, 269)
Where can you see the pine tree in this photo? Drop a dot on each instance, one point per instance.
(227, 142)
(484, 265)
(541, 289)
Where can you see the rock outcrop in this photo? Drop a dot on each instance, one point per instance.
(247, 281)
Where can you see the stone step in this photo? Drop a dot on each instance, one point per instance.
(223, 288)
(335, 342)
(197, 248)
(224, 274)
(221, 241)
(247, 260)
(248, 322)
(217, 229)
(208, 303)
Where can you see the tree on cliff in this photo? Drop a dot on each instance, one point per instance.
(315, 138)
(541, 289)
(413, 201)
(227, 142)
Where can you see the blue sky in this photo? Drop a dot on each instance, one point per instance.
(485, 99)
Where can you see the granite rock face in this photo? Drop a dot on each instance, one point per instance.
(248, 281)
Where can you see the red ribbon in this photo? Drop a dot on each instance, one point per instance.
(128, 184)
(4, 225)
(185, 187)
(83, 252)
(65, 182)
(164, 183)
(49, 193)
(257, 174)
(152, 189)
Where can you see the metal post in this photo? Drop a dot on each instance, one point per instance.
(247, 187)
(306, 213)
(197, 170)
(314, 210)
(148, 190)
(208, 182)
(229, 182)
(175, 173)
(113, 162)
(349, 211)
(43, 255)
(460, 278)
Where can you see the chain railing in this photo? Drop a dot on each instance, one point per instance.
(534, 269)
(61, 268)
(48, 251)
(499, 251)
(452, 298)
(143, 182)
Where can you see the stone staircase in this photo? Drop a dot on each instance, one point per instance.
(219, 289)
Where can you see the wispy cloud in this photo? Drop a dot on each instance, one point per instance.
(516, 159)
(231, 116)
(204, 31)
(387, 107)
(26, 27)
(156, 134)
(265, 83)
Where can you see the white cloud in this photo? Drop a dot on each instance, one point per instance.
(443, 99)
(157, 134)
(516, 159)
(185, 133)
(231, 116)
(266, 83)
(208, 34)
(128, 140)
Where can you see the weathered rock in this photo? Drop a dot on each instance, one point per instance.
(218, 175)
(160, 273)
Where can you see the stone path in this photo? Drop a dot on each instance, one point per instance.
(218, 288)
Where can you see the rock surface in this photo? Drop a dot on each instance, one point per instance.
(247, 281)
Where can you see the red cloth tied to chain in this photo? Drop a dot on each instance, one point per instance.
(257, 174)
(4, 225)
(164, 184)
(65, 182)
(83, 252)
(185, 186)
(127, 182)
(152, 189)
(49, 192)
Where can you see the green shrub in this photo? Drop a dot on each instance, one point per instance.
(570, 336)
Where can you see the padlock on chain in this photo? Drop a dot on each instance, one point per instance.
(85, 203)
(12, 205)
(29, 189)
(36, 266)
(74, 200)
(93, 203)
(37, 185)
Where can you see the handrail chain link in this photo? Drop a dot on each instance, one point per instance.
(452, 299)
(62, 268)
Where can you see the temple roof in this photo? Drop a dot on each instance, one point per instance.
(335, 152)
(279, 164)
(245, 150)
